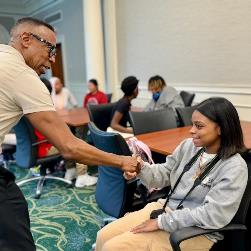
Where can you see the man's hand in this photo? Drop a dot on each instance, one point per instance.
(132, 175)
(147, 226)
(130, 164)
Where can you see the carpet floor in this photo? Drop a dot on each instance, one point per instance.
(65, 219)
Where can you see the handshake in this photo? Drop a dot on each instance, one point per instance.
(133, 167)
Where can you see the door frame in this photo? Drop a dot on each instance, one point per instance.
(61, 40)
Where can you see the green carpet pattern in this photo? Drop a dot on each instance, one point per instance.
(65, 219)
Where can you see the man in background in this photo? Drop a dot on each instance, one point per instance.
(61, 96)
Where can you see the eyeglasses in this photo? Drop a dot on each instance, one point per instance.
(52, 47)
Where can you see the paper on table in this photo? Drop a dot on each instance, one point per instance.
(123, 134)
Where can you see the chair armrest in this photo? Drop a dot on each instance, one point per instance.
(189, 232)
(39, 142)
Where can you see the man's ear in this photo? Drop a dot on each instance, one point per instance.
(25, 39)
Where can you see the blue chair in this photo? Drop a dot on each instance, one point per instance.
(27, 152)
(114, 194)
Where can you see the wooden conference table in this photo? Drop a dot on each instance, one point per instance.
(163, 142)
(79, 116)
(75, 117)
(166, 141)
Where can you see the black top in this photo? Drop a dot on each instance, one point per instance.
(123, 106)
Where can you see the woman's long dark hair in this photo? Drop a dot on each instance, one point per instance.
(222, 112)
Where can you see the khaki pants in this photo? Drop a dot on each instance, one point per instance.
(81, 168)
(116, 236)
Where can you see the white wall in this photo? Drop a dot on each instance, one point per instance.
(200, 46)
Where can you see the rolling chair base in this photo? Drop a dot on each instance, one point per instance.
(41, 181)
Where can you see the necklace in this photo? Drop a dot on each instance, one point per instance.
(200, 168)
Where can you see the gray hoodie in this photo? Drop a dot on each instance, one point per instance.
(169, 97)
(211, 205)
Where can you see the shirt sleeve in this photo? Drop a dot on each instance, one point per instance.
(30, 93)
(85, 100)
(158, 175)
(123, 106)
(72, 99)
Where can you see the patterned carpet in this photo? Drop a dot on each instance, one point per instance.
(65, 219)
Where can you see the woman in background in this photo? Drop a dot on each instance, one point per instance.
(120, 117)
(163, 96)
(95, 96)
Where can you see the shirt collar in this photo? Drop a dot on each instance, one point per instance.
(11, 50)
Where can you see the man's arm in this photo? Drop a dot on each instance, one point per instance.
(57, 132)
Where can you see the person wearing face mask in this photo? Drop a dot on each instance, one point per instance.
(163, 96)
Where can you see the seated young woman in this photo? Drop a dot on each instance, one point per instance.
(213, 154)
(120, 113)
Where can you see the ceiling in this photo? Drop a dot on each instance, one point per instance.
(24, 7)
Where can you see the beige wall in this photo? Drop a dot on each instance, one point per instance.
(201, 46)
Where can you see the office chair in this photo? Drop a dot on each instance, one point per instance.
(8, 151)
(185, 115)
(101, 115)
(187, 98)
(236, 226)
(152, 121)
(26, 155)
(109, 97)
(114, 194)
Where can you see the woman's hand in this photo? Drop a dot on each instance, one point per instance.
(147, 226)
(129, 176)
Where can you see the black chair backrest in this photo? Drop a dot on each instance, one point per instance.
(241, 215)
(111, 190)
(101, 114)
(152, 121)
(187, 97)
(109, 97)
(185, 115)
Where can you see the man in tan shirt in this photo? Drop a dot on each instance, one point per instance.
(29, 54)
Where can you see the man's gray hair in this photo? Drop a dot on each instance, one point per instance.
(30, 21)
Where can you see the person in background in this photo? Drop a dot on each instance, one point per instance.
(95, 96)
(163, 96)
(61, 96)
(31, 51)
(216, 146)
(74, 170)
(120, 117)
